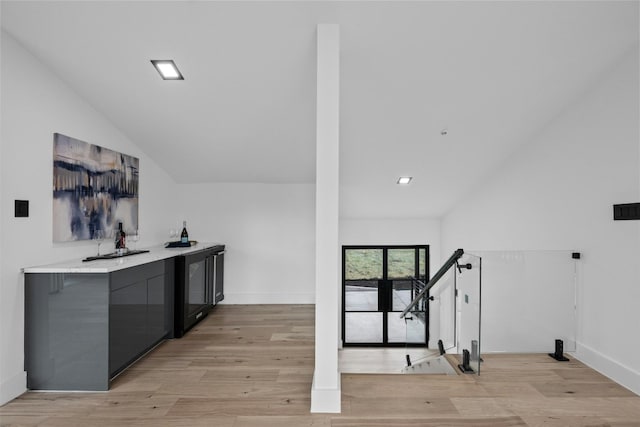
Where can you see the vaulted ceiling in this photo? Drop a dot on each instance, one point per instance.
(492, 73)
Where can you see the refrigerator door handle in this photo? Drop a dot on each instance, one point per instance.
(214, 282)
(207, 272)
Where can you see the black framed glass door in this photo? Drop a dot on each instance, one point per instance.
(377, 284)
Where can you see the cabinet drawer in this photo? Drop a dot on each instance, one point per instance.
(122, 278)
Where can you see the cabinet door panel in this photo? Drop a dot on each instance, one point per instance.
(156, 309)
(127, 325)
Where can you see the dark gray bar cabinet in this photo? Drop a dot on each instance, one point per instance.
(86, 322)
(82, 329)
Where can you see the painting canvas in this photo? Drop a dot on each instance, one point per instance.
(94, 188)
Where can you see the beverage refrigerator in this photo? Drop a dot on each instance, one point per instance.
(199, 286)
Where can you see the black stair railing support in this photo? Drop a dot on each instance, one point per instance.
(465, 367)
(559, 353)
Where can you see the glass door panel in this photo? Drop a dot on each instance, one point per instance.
(361, 295)
(363, 273)
(197, 285)
(396, 328)
(401, 263)
(401, 268)
(363, 264)
(364, 328)
(401, 294)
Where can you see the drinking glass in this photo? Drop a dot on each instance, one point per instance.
(99, 236)
(134, 236)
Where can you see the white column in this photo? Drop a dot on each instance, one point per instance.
(4, 397)
(325, 391)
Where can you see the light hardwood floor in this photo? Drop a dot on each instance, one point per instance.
(253, 366)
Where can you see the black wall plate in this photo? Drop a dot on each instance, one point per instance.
(22, 208)
(626, 211)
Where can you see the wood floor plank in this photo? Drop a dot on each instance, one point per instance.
(429, 422)
(140, 422)
(474, 407)
(21, 420)
(582, 389)
(250, 389)
(250, 366)
(405, 406)
(133, 405)
(517, 387)
(568, 421)
(252, 374)
(427, 386)
(239, 407)
(283, 421)
(569, 406)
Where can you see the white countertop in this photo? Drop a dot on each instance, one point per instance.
(155, 253)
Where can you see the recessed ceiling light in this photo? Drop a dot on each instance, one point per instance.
(167, 69)
(404, 180)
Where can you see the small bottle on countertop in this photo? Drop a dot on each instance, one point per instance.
(184, 236)
(120, 238)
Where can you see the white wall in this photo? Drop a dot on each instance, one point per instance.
(394, 232)
(269, 232)
(557, 193)
(35, 104)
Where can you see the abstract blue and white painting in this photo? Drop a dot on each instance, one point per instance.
(94, 188)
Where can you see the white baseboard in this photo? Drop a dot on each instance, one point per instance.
(326, 400)
(268, 298)
(619, 373)
(13, 387)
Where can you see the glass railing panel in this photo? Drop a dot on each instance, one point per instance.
(413, 325)
(410, 329)
(422, 361)
(468, 283)
(442, 312)
(529, 300)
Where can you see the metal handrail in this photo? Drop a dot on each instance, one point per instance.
(443, 270)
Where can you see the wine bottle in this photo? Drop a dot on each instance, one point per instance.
(184, 236)
(120, 237)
